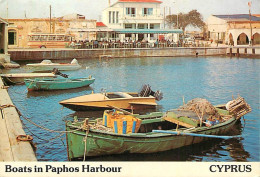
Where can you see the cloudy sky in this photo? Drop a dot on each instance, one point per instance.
(92, 8)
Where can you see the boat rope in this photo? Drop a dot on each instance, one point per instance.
(44, 128)
(47, 141)
(85, 148)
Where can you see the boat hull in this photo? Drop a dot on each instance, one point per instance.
(99, 143)
(57, 84)
(18, 78)
(123, 103)
(50, 67)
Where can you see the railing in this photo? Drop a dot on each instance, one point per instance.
(140, 16)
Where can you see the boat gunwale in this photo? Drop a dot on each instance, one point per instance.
(114, 99)
(54, 80)
(150, 134)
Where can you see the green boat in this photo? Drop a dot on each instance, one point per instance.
(157, 133)
(57, 83)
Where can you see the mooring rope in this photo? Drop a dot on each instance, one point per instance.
(85, 148)
(44, 128)
(49, 140)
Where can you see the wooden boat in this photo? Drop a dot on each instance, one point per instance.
(156, 133)
(123, 100)
(47, 65)
(57, 83)
(103, 101)
(18, 78)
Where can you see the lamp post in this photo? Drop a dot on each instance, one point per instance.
(250, 22)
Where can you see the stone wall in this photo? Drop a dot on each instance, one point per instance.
(40, 54)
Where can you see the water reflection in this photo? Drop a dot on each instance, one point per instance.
(55, 92)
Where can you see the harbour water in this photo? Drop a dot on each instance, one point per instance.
(213, 78)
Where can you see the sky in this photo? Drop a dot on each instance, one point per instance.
(92, 9)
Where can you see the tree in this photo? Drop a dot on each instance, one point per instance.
(193, 18)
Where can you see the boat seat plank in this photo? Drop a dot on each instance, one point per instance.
(177, 122)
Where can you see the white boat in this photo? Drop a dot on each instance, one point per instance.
(103, 101)
(146, 98)
(47, 65)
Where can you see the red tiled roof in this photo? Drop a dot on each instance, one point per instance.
(154, 1)
(100, 24)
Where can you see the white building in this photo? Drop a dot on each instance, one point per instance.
(135, 20)
(236, 29)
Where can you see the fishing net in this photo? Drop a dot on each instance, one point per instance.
(201, 107)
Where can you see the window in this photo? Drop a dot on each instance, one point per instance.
(117, 16)
(147, 11)
(44, 37)
(60, 38)
(113, 16)
(140, 26)
(109, 16)
(128, 26)
(130, 11)
(12, 37)
(51, 38)
(151, 26)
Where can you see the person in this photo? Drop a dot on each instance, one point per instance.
(156, 43)
(72, 44)
(95, 44)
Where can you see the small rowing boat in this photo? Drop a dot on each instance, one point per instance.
(47, 65)
(57, 83)
(118, 133)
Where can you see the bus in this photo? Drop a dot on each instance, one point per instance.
(49, 40)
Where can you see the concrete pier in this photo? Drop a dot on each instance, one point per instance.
(12, 149)
(244, 51)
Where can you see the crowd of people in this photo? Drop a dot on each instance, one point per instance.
(122, 44)
(94, 44)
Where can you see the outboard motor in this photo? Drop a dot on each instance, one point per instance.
(57, 72)
(146, 91)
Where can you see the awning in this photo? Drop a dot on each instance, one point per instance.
(90, 29)
(148, 31)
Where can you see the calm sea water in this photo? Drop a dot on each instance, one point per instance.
(213, 78)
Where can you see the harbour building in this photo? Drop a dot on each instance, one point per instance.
(236, 29)
(56, 32)
(137, 20)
